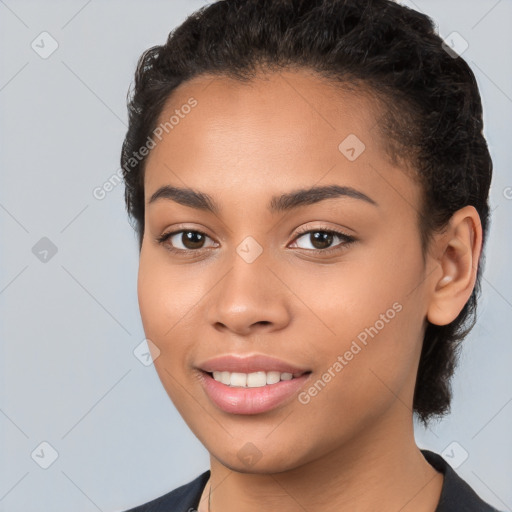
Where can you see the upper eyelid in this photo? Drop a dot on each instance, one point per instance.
(299, 231)
(309, 229)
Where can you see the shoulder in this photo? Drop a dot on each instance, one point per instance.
(182, 499)
(456, 493)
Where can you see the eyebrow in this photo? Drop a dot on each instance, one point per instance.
(285, 202)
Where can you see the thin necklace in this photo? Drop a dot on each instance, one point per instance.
(209, 497)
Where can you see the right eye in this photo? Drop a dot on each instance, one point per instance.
(191, 240)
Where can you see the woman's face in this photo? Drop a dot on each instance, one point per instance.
(263, 273)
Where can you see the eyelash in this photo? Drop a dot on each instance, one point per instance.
(347, 240)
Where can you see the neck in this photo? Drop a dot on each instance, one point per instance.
(380, 470)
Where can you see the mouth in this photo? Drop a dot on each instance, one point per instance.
(254, 379)
(250, 384)
(246, 394)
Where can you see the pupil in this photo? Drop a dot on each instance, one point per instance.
(322, 238)
(189, 240)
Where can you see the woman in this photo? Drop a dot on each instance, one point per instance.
(309, 184)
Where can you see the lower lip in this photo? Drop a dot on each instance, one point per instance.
(238, 400)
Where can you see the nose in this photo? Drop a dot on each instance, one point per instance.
(249, 299)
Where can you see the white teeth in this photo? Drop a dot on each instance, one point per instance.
(273, 377)
(251, 380)
(238, 379)
(256, 380)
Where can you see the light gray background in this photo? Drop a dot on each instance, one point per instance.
(70, 325)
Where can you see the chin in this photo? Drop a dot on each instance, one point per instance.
(259, 468)
(261, 463)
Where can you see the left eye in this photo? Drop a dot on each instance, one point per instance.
(321, 239)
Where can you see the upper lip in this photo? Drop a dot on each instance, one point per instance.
(250, 364)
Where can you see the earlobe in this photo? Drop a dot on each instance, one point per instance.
(459, 248)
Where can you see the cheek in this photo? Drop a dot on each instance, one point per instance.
(375, 312)
(362, 377)
(151, 306)
(163, 309)
(167, 297)
(160, 311)
(363, 292)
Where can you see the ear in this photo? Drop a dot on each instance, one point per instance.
(458, 251)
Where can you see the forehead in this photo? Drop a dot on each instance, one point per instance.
(285, 103)
(286, 128)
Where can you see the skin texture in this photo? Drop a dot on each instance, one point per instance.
(351, 447)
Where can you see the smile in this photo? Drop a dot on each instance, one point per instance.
(250, 380)
(247, 394)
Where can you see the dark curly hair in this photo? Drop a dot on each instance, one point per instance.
(432, 114)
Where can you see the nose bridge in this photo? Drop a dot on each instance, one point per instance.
(249, 293)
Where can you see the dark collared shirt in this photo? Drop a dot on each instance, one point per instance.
(456, 494)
